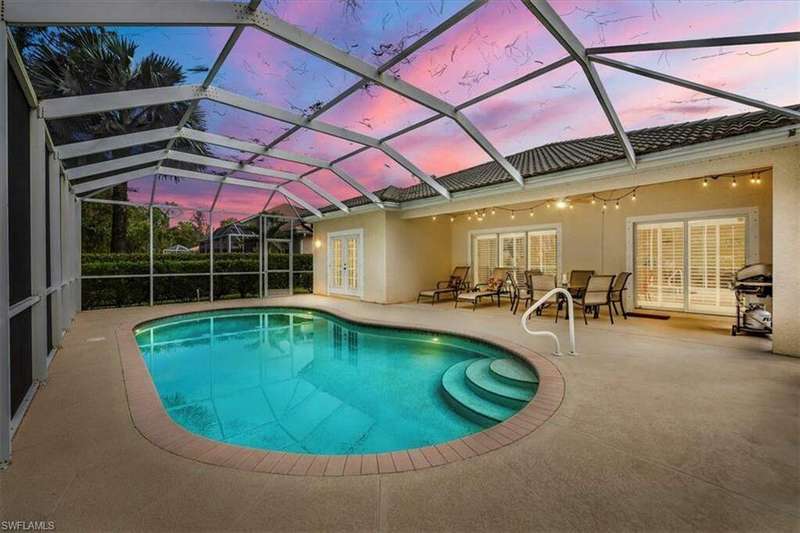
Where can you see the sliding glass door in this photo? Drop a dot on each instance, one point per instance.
(686, 265)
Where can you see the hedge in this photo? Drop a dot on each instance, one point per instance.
(124, 292)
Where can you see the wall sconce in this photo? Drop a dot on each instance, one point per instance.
(317, 243)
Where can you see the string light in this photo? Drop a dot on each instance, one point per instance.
(434, 218)
(633, 196)
(548, 205)
(475, 213)
(530, 213)
(752, 178)
(452, 219)
(758, 179)
(616, 206)
(469, 217)
(733, 182)
(705, 182)
(512, 215)
(571, 206)
(604, 206)
(560, 203)
(493, 211)
(593, 201)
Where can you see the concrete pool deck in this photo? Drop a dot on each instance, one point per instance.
(665, 425)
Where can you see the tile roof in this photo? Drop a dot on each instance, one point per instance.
(577, 153)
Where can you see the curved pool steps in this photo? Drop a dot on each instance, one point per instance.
(513, 372)
(487, 385)
(468, 402)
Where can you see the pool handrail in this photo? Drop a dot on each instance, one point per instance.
(571, 316)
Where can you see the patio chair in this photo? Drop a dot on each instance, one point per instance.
(497, 286)
(541, 285)
(618, 292)
(452, 286)
(578, 280)
(597, 294)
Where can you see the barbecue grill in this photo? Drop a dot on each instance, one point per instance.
(752, 286)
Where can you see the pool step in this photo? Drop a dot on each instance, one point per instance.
(486, 384)
(468, 402)
(513, 372)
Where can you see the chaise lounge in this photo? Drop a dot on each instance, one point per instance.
(452, 286)
(495, 286)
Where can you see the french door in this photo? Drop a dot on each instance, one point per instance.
(345, 262)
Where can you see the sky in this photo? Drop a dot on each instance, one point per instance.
(498, 43)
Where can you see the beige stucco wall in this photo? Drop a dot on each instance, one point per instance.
(374, 226)
(417, 256)
(592, 239)
(400, 255)
(406, 251)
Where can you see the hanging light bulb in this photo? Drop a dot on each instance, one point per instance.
(434, 218)
(593, 201)
(452, 219)
(758, 179)
(530, 213)
(475, 213)
(616, 205)
(733, 182)
(561, 203)
(571, 206)
(547, 205)
(469, 217)
(633, 196)
(493, 211)
(604, 206)
(752, 178)
(512, 215)
(705, 182)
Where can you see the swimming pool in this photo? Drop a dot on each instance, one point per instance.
(306, 381)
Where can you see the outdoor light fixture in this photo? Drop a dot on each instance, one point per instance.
(547, 205)
(733, 183)
(571, 206)
(452, 219)
(434, 218)
(469, 217)
(705, 182)
(633, 197)
(560, 203)
(530, 213)
(616, 206)
(604, 206)
(594, 201)
(512, 215)
(493, 211)
(758, 180)
(317, 243)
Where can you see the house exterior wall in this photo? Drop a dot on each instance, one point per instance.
(403, 249)
(593, 239)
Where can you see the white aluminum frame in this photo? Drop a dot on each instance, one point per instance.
(169, 12)
(5, 346)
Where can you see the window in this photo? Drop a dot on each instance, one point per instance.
(543, 251)
(518, 251)
(686, 265)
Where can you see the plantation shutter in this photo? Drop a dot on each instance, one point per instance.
(659, 257)
(512, 246)
(543, 251)
(485, 257)
(716, 252)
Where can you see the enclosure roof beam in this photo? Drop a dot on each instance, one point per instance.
(114, 164)
(627, 67)
(97, 103)
(251, 147)
(737, 40)
(116, 179)
(321, 191)
(222, 13)
(186, 157)
(561, 32)
(299, 201)
(215, 178)
(354, 183)
(107, 144)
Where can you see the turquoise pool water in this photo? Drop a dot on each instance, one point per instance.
(305, 381)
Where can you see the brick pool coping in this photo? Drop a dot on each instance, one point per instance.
(153, 422)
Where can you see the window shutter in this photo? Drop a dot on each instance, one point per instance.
(659, 260)
(485, 257)
(512, 246)
(543, 251)
(716, 252)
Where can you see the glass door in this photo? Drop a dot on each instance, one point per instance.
(345, 259)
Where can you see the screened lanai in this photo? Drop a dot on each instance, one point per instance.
(184, 122)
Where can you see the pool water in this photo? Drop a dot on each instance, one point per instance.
(306, 381)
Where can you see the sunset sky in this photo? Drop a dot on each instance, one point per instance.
(498, 43)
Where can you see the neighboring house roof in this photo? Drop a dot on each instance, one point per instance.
(234, 229)
(577, 153)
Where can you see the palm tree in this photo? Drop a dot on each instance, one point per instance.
(90, 60)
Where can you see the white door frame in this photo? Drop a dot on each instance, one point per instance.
(338, 234)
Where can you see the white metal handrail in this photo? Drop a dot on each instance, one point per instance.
(571, 310)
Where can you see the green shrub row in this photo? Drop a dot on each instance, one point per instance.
(124, 292)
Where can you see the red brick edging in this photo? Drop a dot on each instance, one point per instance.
(153, 422)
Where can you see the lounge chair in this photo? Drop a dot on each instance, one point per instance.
(541, 285)
(597, 293)
(618, 292)
(497, 286)
(452, 286)
(522, 292)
